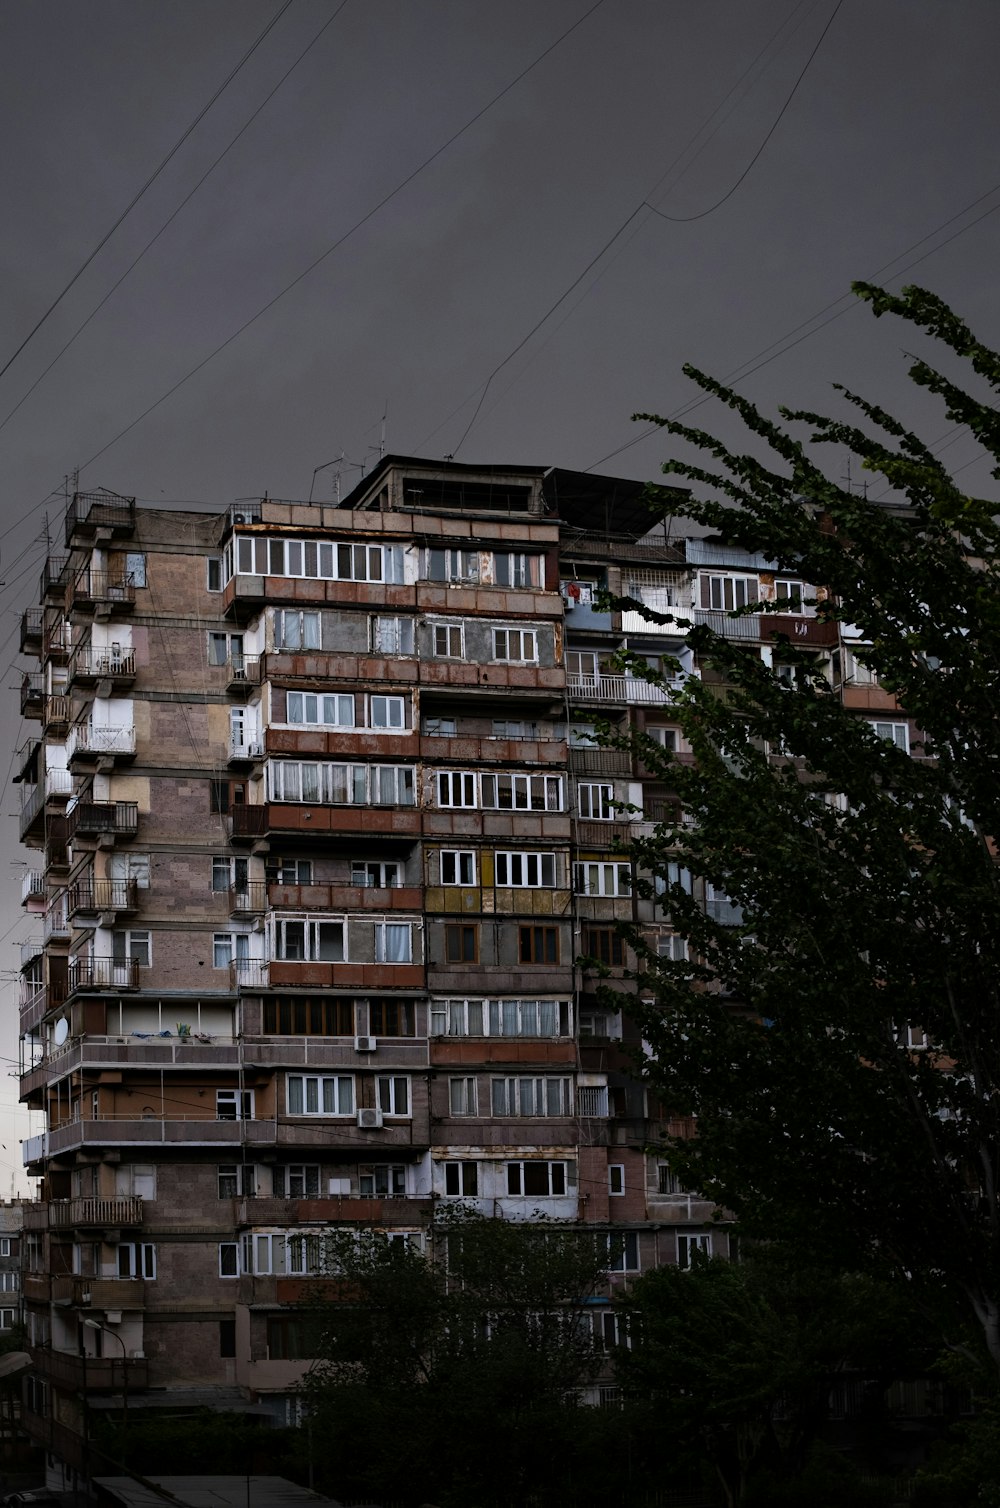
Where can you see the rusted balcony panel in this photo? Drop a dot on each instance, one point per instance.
(146, 1133)
(600, 761)
(459, 675)
(319, 976)
(89, 512)
(515, 1052)
(799, 630)
(344, 897)
(325, 821)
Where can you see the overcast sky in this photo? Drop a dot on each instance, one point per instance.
(468, 212)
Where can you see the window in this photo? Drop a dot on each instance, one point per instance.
(458, 866)
(602, 879)
(623, 1251)
(213, 573)
(289, 872)
(228, 872)
(130, 866)
(4, 1246)
(616, 1178)
(439, 727)
(523, 793)
(300, 941)
(393, 1094)
(137, 1259)
(516, 728)
(288, 1339)
(856, 670)
(463, 1098)
(376, 876)
(538, 944)
(234, 1104)
(667, 1182)
(299, 1180)
(134, 946)
(531, 1096)
(382, 1181)
(448, 640)
(135, 568)
(461, 942)
(727, 593)
(341, 784)
(393, 942)
(604, 944)
(596, 802)
(461, 1179)
(136, 1179)
(8, 1282)
(688, 1245)
(456, 788)
(263, 1253)
(237, 1180)
(320, 1094)
(309, 1016)
(453, 565)
(516, 570)
(667, 738)
(500, 1018)
(297, 630)
(227, 1338)
(791, 595)
(515, 646)
(387, 712)
(225, 647)
(893, 733)
(325, 560)
(528, 870)
(545, 1180)
(391, 1018)
(671, 947)
(583, 665)
(326, 711)
(229, 947)
(608, 1330)
(392, 636)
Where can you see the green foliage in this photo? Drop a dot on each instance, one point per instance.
(866, 877)
(454, 1379)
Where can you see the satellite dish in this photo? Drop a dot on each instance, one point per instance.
(61, 1031)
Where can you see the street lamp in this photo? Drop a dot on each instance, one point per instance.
(93, 1324)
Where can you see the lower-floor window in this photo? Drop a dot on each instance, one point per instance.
(604, 944)
(461, 1178)
(382, 1181)
(545, 1096)
(136, 1259)
(687, 1245)
(393, 1094)
(320, 1094)
(538, 944)
(299, 1180)
(540, 1179)
(289, 1338)
(623, 1251)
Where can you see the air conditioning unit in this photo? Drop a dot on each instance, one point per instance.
(370, 1120)
(365, 1044)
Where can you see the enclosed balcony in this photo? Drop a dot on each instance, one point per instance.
(324, 823)
(95, 898)
(97, 743)
(93, 514)
(96, 820)
(111, 662)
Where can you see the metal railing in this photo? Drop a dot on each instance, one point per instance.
(102, 586)
(103, 974)
(33, 886)
(618, 688)
(100, 738)
(92, 818)
(102, 895)
(124, 1210)
(249, 899)
(99, 510)
(110, 660)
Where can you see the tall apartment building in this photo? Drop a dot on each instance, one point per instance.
(323, 837)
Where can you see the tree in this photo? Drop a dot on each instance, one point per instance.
(866, 874)
(455, 1378)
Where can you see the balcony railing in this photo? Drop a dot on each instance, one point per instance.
(90, 511)
(745, 627)
(91, 897)
(629, 689)
(31, 628)
(249, 899)
(56, 714)
(53, 578)
(243, 670)
(592, 1101)
(249, 974)
(92, 741)
(249, 821)
(93, 664)
(103, 974)
(33, 886)
(32, 693)
(102, 588)
(56, 923)
(126, 1210)
(94, 819)
(32, 947)
(245, 749)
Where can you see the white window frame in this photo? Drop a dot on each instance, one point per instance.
(688, 1242)
(296, 1180)
(513, 791)
(242, 1176)
(616, 1180)
(515, 646)
(319, 709)
(623, 1251)
(517, 870)
(535, 1096)
(393, 1095)
(297, 630)
(560, 1177)
(892, 732)
(386, 714)
(373, 874)
(457, 789)
(240, 1101)
(463, 1095)
(595, 801)
(502, 1017)
(391, 1174)
(390, 634)
(132, 945)
(727, 591)
(447, 639)
(395, 932)
(457, 866)
(314, 941)
(138, 1257)
(603, 878)
(309, 1094)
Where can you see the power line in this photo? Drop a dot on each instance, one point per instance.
(148, 183)
(687, 219)
(171, 218)
(404, 183)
